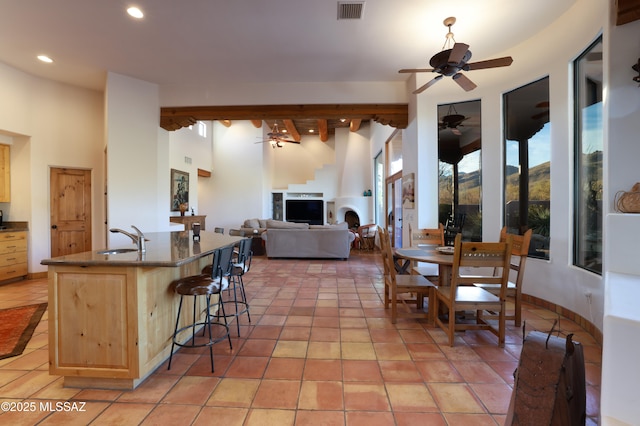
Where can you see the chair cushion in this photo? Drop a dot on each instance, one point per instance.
(198, 285)
(278, 224)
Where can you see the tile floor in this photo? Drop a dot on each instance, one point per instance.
(320, 350)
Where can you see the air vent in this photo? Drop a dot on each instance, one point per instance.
(350, 10)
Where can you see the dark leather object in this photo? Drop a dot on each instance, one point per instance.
(549, 386)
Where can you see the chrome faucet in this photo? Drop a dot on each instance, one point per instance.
(139, 239)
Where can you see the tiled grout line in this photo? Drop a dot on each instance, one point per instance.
(337, 284)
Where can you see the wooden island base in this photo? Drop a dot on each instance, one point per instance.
(110, 327)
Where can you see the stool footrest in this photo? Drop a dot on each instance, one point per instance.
(209, 342)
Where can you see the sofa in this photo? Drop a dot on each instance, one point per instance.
(301, 240)
(254, 226)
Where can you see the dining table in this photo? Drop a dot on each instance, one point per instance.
(428, 253)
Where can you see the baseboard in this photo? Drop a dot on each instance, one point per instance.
(37, 275)
(578, 319)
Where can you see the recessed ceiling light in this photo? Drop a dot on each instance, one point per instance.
(45, 58)
(310, 130)
(135, 12)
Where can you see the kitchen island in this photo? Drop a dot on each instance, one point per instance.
(112, 316)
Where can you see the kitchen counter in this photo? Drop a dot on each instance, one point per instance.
(14, 226)
(111, 317)
(165, 249)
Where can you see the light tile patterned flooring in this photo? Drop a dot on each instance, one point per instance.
(320, 350)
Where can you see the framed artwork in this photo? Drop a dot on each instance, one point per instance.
(408, 190)
(179, 190)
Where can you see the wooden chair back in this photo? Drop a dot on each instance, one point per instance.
(387, 255)
(519, 250)
(427, 236)
(489, 255)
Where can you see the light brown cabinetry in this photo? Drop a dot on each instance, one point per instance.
(5, 174)
(13, 254)
(188, 221)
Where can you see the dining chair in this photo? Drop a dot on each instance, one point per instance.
(366, 236)
(519, 254)
(434, 236)
(462, 295)
(396, 285)
(453, 227)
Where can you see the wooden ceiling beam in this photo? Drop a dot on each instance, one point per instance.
(354, 125)
(256, 123)
(323, 130)
(395, 115)
(225, 123)
(627, 11)
(292, 130)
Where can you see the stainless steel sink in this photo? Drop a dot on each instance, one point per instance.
(117, 251)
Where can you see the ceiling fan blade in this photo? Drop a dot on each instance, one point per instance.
(464, 82)
(457, 53)
(426, 86)
(490, 63)
(409, 70)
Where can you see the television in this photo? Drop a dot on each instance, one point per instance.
(305, 211)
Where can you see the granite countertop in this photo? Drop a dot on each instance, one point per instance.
(14, 226)
(167, 249)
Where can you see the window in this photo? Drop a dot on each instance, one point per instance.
(378, 171)
(459, 174)
(527, 165)
(588, 159)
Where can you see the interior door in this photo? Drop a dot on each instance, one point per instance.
(394, 208)
(70, 192)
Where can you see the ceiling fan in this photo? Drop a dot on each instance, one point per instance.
(452, 121)
(451, 60)
(277, 138)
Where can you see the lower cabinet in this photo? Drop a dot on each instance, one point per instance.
(13, 254)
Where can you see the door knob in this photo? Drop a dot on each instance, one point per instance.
(54, 226)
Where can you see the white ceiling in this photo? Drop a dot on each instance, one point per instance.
(198, 42)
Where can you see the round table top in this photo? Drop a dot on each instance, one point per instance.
(424, 253)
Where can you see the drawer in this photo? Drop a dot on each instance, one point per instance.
(12, 245)
(13, 271)
(13, 258)
(13, 235)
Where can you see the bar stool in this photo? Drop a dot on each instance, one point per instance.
(240, 266)
(206, 285)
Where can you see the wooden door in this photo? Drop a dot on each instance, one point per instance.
(70, 191)
(394, 208)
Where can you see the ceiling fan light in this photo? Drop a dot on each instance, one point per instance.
(135, 12)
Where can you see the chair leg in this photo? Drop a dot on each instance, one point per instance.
(518, 308)
(224, 315)
(501, 325)
(207, 324)
(452, 326)
(394, 305)
(175, 330)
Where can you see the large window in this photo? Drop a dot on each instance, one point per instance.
(527, 189)
(588, 159)
(459, 180)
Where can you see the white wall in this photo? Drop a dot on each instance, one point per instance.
(620, 401)
(235, 191)
(51, 125)
(188, 152)
(551, 52)
(138, 167)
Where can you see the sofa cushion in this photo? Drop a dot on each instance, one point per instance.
(263, 223)
(278, 224)
(343, 225)
(252, 223)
